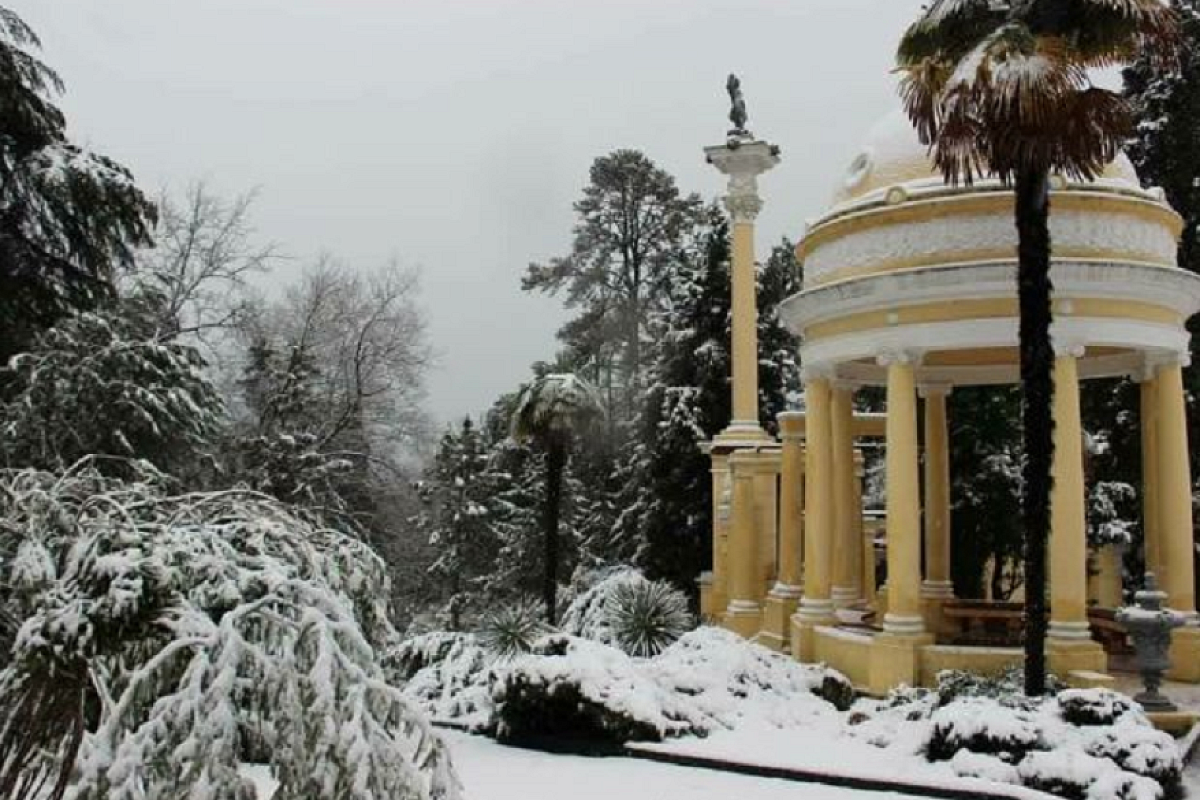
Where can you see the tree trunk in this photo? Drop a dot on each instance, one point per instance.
(556, 460)
(1037, 386)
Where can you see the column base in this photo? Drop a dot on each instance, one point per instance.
(1185, 655)
(904, 626)
(845, 596)
(896, 661)
(743, 618)
(933, 608)
(705, 582)
(781, 604)
(741, 434)
(1066, 656)
(811, 615)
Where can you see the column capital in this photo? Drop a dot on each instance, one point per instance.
(899, 355)
(743, 162)
(817, 372)
(927, 390)
(1152, 362)
(846, 385)
(1068, 348)
(791, 425)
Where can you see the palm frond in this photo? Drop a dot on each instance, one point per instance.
(1107, 33)
(554, 406)
(947, 30)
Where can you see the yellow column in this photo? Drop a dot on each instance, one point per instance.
(816, 606)
(937, 494)
(1175, 492)
(1069, 645)
(743, 160)
(896, 654)
(1068, 531)
(1175, 529)
(745, 328)
(1150, 502)
(785, 596)
(846, 541)
(744, 613)
(903, 616)
(1108, 578)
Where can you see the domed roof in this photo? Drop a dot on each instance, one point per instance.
(893, 156)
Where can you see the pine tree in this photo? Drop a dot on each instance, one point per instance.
(69, 218)
(457, 520)
(633, 224)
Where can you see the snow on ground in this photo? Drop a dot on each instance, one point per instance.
(490, 771)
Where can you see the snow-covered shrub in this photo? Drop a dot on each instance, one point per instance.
(1135, 746)
(988, 768)
(717, 679)
(1075, 775)
(1092, 706)
(418, 652)
(1008, 686)
(452, 678)
(647, 617)
(578, 694)
(899, 720)
(513, 628)
(983, 725)
(181, 631)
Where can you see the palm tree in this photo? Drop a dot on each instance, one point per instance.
(1003, 88)
(550, 412)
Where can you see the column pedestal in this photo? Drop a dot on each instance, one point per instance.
(743, 615)
(896, 661)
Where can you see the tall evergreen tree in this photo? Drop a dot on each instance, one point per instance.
(457, 519)
(632, 226)
(68, 218)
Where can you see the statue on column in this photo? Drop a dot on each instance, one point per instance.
(737, 110)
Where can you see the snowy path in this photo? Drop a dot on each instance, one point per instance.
(493, 772)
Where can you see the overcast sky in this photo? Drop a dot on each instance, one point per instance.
(454, 135)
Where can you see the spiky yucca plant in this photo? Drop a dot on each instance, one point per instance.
(647, 617)
(1003, 88)
(511, 629)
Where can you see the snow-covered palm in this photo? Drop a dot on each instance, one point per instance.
(166, 638)
(549, 413)
(1003, 88)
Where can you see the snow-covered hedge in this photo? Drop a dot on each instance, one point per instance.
(166, 637)
(1083, 744)
(596, 695)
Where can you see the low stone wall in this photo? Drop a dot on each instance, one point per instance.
(980, 660)
(846, 651)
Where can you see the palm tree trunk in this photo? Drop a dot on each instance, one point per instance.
(556, 459)
(1037, 384)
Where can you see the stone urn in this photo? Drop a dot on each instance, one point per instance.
(1150, 626)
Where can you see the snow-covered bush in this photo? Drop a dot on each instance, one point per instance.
(1007, 687)
(1092, 706)
(573, 693)
(449, 676)
(719, 679)
(1136, 747)
(512, 629)
(983, 725)
(176, 633)
(1074, 775)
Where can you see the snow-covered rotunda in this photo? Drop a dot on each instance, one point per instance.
(910, 284)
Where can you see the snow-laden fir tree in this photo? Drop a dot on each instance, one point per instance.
(102, 384)
(70, 218)
(457, 491)
(165, 639)
(666, 519)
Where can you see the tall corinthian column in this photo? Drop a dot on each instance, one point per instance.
(743, 161)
